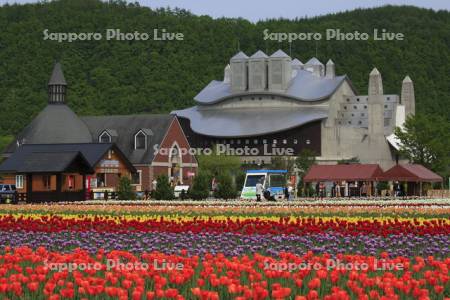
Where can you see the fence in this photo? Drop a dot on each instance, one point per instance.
(438, 193)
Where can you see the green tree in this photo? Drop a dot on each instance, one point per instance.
(225, 187)
(425, 140)
(304, 161)
(163, 189)
(215, 164)
(125, 190)
(200, 187)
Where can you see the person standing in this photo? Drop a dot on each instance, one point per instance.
(290, 192)
(321, 190)
(364, 190)
(259, 190)
(338, 190)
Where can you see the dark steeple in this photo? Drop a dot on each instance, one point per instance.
(57, 85)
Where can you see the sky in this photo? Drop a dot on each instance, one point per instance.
(255, 10)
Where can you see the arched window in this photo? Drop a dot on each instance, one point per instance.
(104, 137)
(140, 140)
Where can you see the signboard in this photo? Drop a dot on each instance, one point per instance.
(109, 166)
(109, 163)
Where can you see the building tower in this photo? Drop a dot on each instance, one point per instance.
(315, 66)
(57, 86)
(331, 72)
(407, 97)
(257, 71)
(375, 105)
(239, 71)
(280, 71)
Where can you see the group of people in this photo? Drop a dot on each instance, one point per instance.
(261, 192)
(343, 190)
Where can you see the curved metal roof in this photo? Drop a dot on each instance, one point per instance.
(249, 121)
(304, 87)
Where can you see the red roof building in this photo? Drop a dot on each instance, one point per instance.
(351, 172)
(411, 173)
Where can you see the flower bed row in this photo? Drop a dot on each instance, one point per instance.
(221, 224)
(41, 274)
(407, 245)
(311, 202)
(276, 210)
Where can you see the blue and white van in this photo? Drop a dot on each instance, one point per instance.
(273, 181)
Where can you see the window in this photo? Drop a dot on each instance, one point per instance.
(274, 142)
(71, 181)
(19, 181)
(101, 179)
(284, 142)
(252, 180)
(255, 141)
(295, 141)
(136, 178)
(238, 142)
(46, 181)
(264, 141)
(247, 141)
(140, 140)
(104, 137)
(308, 142)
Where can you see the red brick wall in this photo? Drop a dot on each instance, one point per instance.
(175, 135)
(145, 177)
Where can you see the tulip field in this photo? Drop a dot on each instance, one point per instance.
(207, 251)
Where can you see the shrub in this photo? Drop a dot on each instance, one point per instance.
(163, 189)
(225, 187)
(200, 187)
(125, 190)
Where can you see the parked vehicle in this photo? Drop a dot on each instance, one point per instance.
(178, 191)
(8, 193)
(273, 181)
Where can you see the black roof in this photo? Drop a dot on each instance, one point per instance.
(57, 77)
(57, 157)
(55, 124)
(125, 127)
(47, 162)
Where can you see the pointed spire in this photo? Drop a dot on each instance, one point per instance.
(296, 62)
(376, 106)
(279, 53)
(407, 79)
(375, 83)
(330, 72)
(57, 85)
(407, 97)
(259, 54)
(239, 56)
(57, 77)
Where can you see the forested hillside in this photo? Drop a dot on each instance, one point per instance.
(122, 77)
